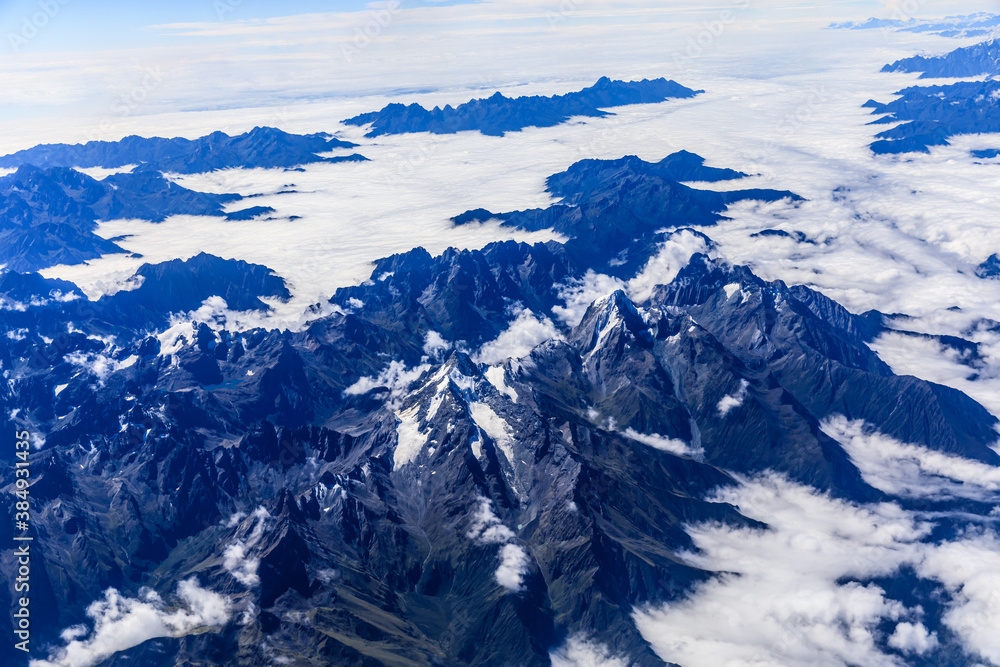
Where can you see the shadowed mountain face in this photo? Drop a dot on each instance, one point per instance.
(498, 114)
(180, 286)
(387, 512)
(612, 209)
(262, 147)
(970, 61)
(48, 216)
(957, 27)
(990, 268)
(929, 116)
(368, 490)
(933, 114)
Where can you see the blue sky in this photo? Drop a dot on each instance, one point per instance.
(107, 64)
(86, 25)
(75, 25)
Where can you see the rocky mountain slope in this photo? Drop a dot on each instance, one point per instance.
(497, 115)
(392, 485)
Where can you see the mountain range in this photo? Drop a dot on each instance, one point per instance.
(979, 24)
(497, 115)
(262, 147)
(389, 485)
(520, 454)
(970, 61)
(931, 115)
(48, 216)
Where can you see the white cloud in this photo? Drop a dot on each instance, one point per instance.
(732, 401)
(970, 570)
(234, 519)
(928, 359)
(781, 600)
(488, 529)
(789, 593)
(435, 345)
(396, 377)
(663, 443)
(99, 365)
(579, 294)
(121, 623)
(236, 562)
(672, 256)
(519, 339)
(579, 651)
(910, 470)
(215, 313)
(913, 638)
(486, 526)
(513, 567)
(802, 129)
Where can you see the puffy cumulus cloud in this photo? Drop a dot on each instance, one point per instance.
(782, 598)
(236, 561)
(910, 470)
(913, 638)
(98, 365)
(672, 256)
(792, 594)
(435, 345)
(970, 570)
(579, 293)
(514, 560)
(486, 526)
(517, 340)
(121, 623)
(513, 567)
(665, 444)
(581, 651)
(730, 402)
(396, 376)
(928, 358)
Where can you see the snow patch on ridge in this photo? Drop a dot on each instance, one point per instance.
(495, 375)
(494, 426)
(410, 440)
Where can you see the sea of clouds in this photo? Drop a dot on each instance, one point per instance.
(900, 234)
